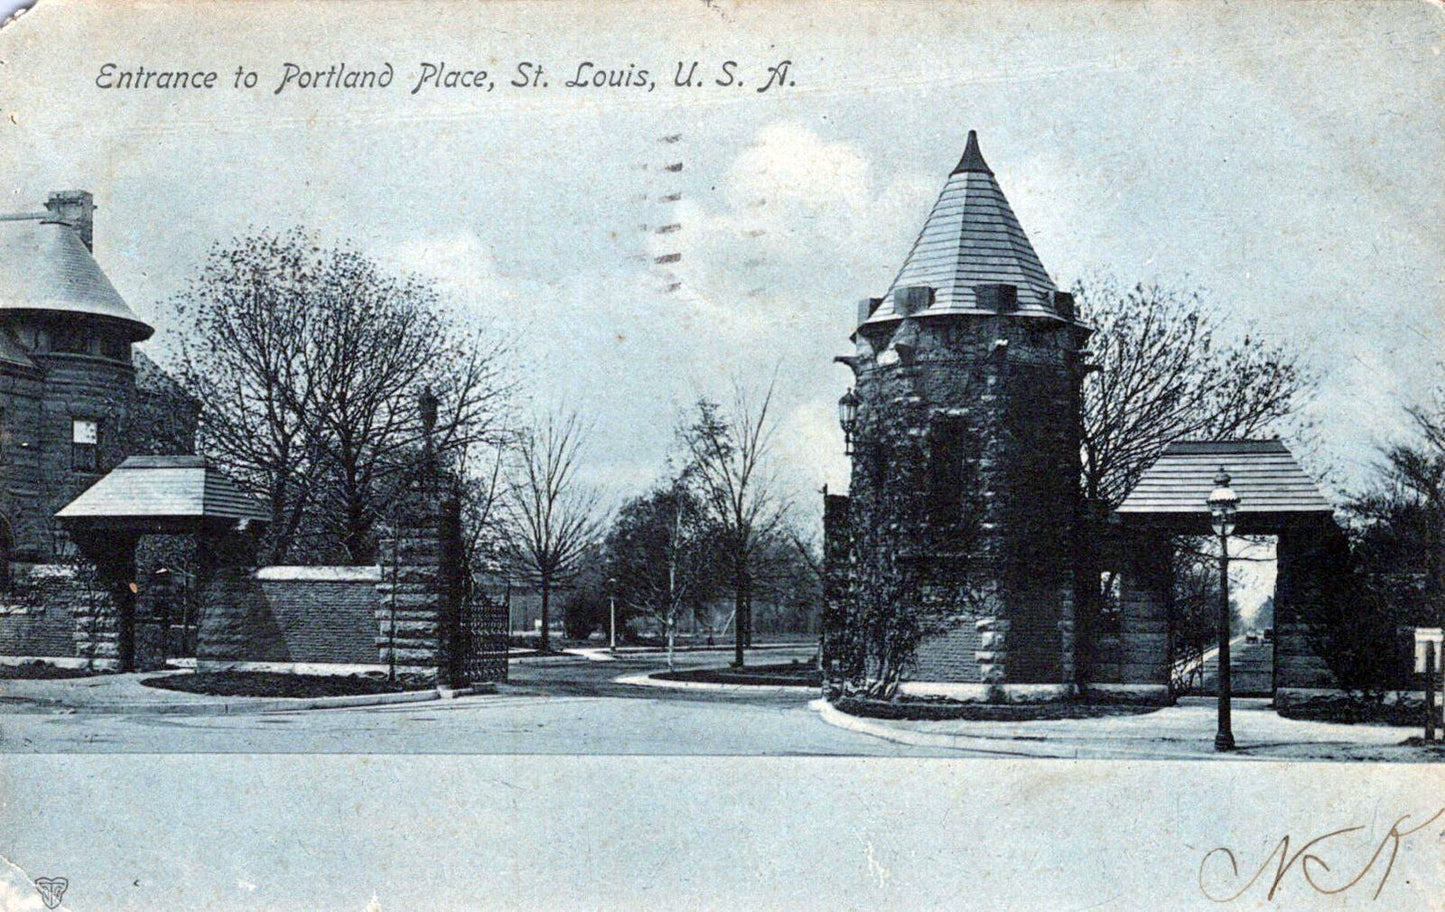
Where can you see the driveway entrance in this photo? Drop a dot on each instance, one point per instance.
(1169, 504)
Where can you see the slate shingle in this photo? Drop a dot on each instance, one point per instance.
(971, 237)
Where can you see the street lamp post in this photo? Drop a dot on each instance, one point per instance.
(612, 614)
(1223, 505)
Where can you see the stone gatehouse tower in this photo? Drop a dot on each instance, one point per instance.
(964, 492)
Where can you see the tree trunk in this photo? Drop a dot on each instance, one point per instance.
(747, 602)
(356, 537)
(671, 640)
(546, 614)
(738, 624)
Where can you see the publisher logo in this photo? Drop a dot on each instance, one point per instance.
(51, 890)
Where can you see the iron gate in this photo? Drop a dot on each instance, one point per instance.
(484, 624)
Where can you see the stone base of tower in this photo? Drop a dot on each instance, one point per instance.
(1128, 694)
(989, 693)
(1022, 653)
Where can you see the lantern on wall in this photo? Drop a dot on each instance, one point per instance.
(848, 419)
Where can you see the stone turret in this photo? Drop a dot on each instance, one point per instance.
(66, 338)
(965, 473)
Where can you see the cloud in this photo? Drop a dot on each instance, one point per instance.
(795, 212)
(461, 264)
(767, 269)
(789, 164)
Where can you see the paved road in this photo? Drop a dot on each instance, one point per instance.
(573, 705)
(1251, 667)
(550, 706)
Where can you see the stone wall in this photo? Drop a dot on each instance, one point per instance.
(86, 387)
(39, 403)
(35, 615)
(837, 550)
(1145, 594)
(324, 614)
(951, 656)
(1306, 560)
(420, 590)
(293, 615)
(22, 496)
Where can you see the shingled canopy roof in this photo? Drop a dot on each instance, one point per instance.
(163, 494)
(1272, 487)
(44, 266)
(971, 238)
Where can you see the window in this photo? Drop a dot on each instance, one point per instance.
(948, 476)
(85, 444)
(115, 349)
(71, 342)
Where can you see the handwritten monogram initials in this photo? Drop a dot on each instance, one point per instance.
(1307, 855)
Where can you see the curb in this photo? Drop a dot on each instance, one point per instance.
(980, 744)
(646, 680)
(261, 705)
(521, 653)
(720, 647)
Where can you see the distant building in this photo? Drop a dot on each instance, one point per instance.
(76, 397)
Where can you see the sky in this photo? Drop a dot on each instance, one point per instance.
(1286, 159)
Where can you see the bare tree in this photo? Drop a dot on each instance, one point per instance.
(1405, 508)
(662, 554)
(244, 324)
(1164, 374)
(730, 456)
(482, 491)
(379, 340)
(308, 361)
(552, 518)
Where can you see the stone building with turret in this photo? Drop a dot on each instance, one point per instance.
(103, 504)
(964, 497)
(76, 399)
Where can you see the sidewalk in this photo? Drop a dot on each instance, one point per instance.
(125, 694)
(1184, 731)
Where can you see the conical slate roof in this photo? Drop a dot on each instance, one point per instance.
(45, 266)
(971, 238)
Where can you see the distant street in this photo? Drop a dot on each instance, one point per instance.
(1251, 668)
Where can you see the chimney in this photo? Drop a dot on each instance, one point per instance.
(75, 208)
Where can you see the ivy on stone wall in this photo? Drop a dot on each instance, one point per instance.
(913, 564)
